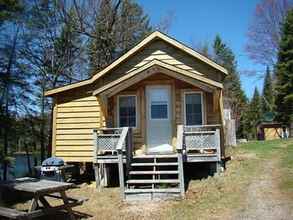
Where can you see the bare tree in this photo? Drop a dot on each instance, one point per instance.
(166, 22)
(265, 29)
(203, 47)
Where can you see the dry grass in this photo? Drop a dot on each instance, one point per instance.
(218, 197)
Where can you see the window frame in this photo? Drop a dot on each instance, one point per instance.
(169, 104)
(118, 109)
(202, 106)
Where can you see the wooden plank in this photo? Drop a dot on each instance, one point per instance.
(79, 109)
(12, 213)
(77, 97)
(95, 145)
(74, 131)
(66, 202)
(77, 120)
(77, 159)
(74, 153)
(74, 142)
(74, 137)
(78, 115)
(79, 104)
(121, 174)
(181, 174)
(74, 148)
(76, 126)
(36, 186)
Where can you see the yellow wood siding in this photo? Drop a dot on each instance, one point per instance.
(76, 117)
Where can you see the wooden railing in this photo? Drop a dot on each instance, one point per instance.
(117, 141)
(204, 139)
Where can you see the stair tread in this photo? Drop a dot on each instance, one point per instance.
(155, 156)
(154, 172)
(167, 190)
(141, 181)
(156, 164)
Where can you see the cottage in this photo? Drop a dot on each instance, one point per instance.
(147, 115)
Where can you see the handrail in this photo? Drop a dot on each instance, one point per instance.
(203, 126)
(119, 147)
(122, 138)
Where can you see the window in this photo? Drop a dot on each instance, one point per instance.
(127, 111)
(193, 108)
(159, 110)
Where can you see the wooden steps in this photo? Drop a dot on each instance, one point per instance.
(154, 164)
(155, 156)
(154, 172)
(172, 190)
(150, 181)
(153, 177)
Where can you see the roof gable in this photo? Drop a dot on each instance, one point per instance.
(139, 47)
(154, 67)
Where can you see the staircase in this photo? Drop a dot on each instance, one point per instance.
(153, 177)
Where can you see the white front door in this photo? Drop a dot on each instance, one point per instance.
(158, 111)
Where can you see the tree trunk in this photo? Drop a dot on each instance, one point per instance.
(28, 160)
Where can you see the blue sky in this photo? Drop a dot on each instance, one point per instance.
(200, 20)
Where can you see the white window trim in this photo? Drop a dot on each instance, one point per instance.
(202, 105)
(118, 109)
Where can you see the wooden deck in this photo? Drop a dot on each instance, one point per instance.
(195, 144)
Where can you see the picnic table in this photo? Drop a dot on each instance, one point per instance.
(39, 190)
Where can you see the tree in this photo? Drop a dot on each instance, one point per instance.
(284, 73)
(268, 94)
(203, 47)
(14, 88)
(53, 51)
(255, 112)
(251, 116)
(264, 33)
(165, 22)
(8, 9)
(118, 27)
(233, 94)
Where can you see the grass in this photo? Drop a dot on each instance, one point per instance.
(216, 197)
(287, 170)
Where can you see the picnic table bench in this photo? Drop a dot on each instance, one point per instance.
(39, 190)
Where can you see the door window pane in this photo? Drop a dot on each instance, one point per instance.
(193, 109)
(127, 111)
(159, 110)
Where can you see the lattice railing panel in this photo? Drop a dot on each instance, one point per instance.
(200, 141)
(107, 143)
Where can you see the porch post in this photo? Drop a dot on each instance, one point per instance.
(179, 147)
(222, 134)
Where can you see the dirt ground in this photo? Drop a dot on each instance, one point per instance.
(248, 189)
(264, 199)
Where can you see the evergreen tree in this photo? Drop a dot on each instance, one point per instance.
(268, 95)
(9, 9)
(252, 116)
(284, 73)
(233, 94)
(256, 107)
(118, 27)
